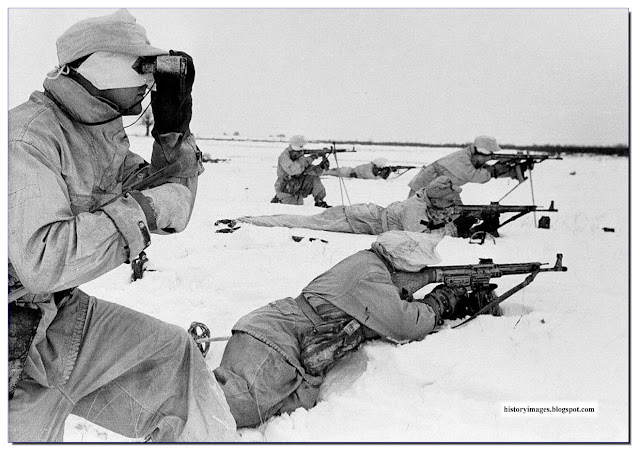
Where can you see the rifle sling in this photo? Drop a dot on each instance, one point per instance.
(515, 216)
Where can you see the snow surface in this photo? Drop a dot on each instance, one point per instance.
(564, 339)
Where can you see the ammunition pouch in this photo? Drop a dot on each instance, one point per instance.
(333, 336)
(23, 324)
(326, 343)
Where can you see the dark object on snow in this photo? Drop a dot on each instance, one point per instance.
(297, 239)
(229, 230)
(206, 157)
(475, 280)
(572, 173)
(544, 222)
(608, 229)
(230, 222)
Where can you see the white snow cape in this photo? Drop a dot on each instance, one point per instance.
(365, 218)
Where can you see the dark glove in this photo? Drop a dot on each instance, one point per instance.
(518, 171)
(325, 163)
(385, 172)
(443, 300)
(171, 101)
(473, 302)
(526, 166)
(499, 169)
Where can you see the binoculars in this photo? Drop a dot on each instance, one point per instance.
(175, 65)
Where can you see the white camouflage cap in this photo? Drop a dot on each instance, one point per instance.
(379, 162)
(408, 251)
(486, 145)
(118, 33)
(297, 142)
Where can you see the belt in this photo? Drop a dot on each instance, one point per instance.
(308, 311)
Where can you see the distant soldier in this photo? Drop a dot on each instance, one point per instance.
(298, 177)
(429, 210)
(467, 165)
(374, 170)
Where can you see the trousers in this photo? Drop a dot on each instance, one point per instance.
(134, 375)
(308, 185)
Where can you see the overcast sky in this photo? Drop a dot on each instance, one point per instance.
(544, 76)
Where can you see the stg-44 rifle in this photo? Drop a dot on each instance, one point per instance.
(388, 170)
(489, 214)
(327, 151)
(480, 297)
(522, 161)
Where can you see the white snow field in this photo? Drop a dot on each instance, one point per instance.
(562, 343)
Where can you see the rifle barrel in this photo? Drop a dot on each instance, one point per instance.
(525, 156)
(489, 270)
(501, 208)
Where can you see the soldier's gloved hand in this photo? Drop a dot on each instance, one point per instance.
(526, 166)
(498, 169)
(173, 148)
(385, 172)
(443, 300)
(325, 163)
(171, 101)
(171, 206)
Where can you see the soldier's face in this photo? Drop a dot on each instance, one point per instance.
(128, 99)
(479, 160)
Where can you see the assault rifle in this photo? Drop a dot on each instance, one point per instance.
(325, 151)
(475, 279)
(490, 214)
(387, 170)
(520, 162)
